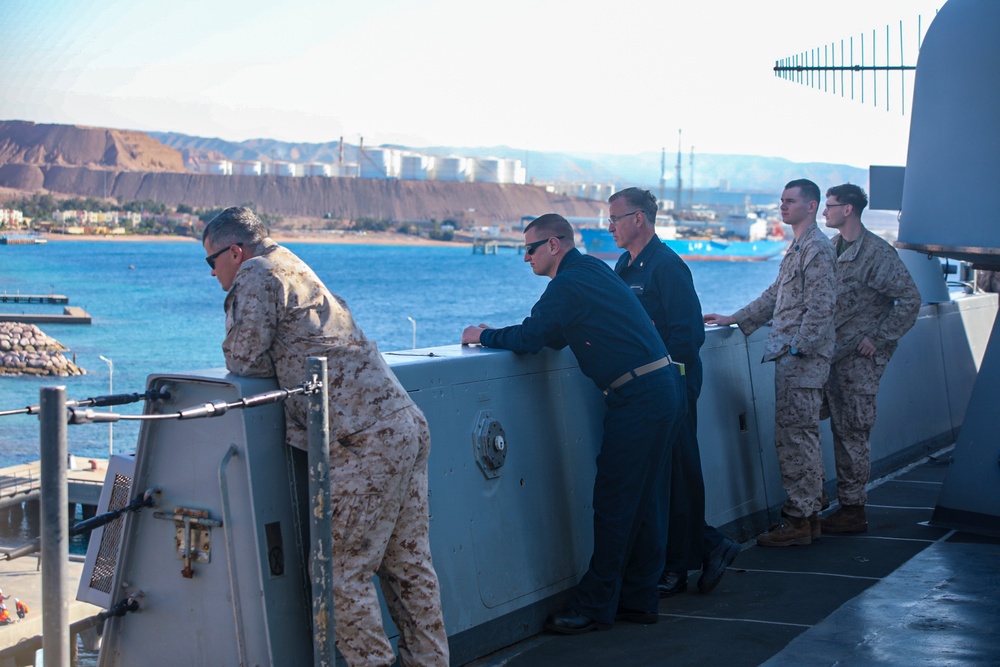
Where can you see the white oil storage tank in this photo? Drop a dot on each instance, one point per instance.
(280, 168)
(247, 168)
(317, 169)
(379, 163)
(415, 167)
(345, 170)
(511, 171)
(487, 170)
(451, 168)
(219, 167)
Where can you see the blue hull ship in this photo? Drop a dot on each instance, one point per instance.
(600, 243)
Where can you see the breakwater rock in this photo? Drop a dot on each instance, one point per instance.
(27, 350)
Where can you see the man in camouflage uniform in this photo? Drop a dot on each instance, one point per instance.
(800, 307)
(278, 312)
(877, 302)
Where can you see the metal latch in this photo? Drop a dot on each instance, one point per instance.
(192, 536)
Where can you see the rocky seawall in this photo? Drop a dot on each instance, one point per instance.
(27, 350)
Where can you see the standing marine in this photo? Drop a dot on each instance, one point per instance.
(877, 302)
(800, 307)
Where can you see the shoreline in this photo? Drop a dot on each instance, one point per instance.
(281, 236)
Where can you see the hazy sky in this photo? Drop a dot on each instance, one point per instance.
(570, 75)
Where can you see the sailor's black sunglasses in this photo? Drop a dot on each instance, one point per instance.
(532, 247)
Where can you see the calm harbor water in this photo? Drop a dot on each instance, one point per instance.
(156, 309)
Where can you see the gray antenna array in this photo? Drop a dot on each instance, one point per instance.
(825, 67)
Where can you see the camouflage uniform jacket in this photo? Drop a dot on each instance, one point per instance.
(876, 297)
(278, 312)
(800, 306)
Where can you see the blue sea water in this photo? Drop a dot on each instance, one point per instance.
(156, 308)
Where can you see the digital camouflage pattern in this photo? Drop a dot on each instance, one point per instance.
(278, 313)
(800, 306)
(380, 525)
(796, 439)
(877, 299)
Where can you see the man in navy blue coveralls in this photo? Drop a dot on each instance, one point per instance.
(587, 307)
(662, 282)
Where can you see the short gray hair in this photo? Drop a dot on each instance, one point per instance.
(642, 200)
(237, 224)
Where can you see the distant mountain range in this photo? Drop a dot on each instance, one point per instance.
(127, 165)
(746, 173)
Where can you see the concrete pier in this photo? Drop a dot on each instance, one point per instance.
(20, 483)
(70, 315)
(491, 246)
(22, 579)
(60, 299)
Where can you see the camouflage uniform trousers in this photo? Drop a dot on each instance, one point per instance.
(796, 439)
(850, 398)
(378, 480)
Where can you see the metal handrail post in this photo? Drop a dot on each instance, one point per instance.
(54, 526)
(320, 526)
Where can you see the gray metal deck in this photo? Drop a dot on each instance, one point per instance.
(905, 593)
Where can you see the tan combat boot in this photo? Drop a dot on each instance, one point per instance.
(847, 519)
(795, 531)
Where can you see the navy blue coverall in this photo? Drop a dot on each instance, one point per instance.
(587, 307)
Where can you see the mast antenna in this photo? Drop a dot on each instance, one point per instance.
(850, 63)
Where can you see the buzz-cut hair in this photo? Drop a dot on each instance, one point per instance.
(553, 224)
(809, 190)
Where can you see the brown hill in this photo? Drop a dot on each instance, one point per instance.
(71, 145)
(131, 166)
(340, 198)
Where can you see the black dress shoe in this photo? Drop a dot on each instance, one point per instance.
(715, 565)
(570, 622)
(672, 583)
(636, 616)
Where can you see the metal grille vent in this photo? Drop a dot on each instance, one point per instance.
(107, 553)
(99, 568)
